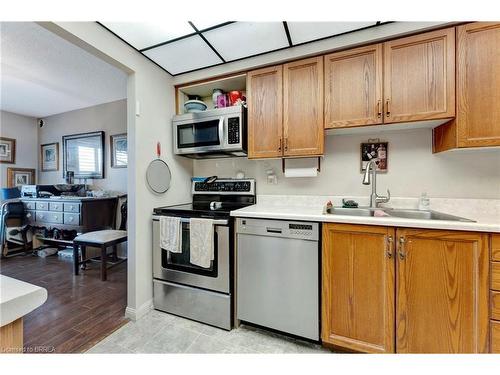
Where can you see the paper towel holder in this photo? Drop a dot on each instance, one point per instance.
(283, 164)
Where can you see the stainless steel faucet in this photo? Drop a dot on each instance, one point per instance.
(375, 199)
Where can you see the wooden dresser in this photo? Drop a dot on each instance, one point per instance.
(82, 214)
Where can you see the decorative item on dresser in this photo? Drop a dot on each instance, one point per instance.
(49, 154)
(20, 176)
(118, 150)
(7, 150)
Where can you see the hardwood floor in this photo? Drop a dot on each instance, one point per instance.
(80, 310)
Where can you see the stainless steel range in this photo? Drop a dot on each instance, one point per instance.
(181, 288)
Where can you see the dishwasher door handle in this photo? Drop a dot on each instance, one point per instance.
(274, 230)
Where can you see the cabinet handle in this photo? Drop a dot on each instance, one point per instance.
(387, 108)
(379, 108)
(286, 143)
(279, 147)
(402, 254)
(389, 247)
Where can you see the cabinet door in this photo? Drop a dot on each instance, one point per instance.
(353, 87)
(358, 287)
(265, 112)
(303, 107)
(478, 84)
(419, 77)
(442, 292)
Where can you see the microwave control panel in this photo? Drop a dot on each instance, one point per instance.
(233, 130)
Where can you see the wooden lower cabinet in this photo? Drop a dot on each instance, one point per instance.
(358, 287)
(442, 292)
(495, 305)
(426, 291)
(495, 276)
(495, 337)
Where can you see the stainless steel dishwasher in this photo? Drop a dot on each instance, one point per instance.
(277, 278)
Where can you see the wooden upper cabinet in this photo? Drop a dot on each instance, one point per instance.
(478, 84)
(303, 107)
(265, 112)
(419, 77)
(442, 292)
(358, 287)
(353, 87)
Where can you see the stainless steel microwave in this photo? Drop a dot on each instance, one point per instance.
(213, 133)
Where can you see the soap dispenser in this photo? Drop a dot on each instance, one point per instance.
(424, 203)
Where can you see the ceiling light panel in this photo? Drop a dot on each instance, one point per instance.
(202, 25)
(184, 55)
(301, 32)
(243, 39)
(146, 34)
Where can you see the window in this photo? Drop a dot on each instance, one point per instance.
(83, 154)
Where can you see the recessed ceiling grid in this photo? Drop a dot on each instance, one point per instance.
(183, 47)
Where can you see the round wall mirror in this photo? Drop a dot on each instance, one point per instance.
(158, 176)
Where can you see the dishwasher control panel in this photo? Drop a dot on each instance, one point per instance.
(301, 229)
(278, 228)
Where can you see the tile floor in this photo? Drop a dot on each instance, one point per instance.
(159, 332)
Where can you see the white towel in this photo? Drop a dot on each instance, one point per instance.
(201, 237)
(170, 234)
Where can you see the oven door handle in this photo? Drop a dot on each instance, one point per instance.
(186, 220)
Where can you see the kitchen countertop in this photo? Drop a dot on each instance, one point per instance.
(293, 208)
(18, 298)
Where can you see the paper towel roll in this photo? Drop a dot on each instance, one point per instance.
(301, 172)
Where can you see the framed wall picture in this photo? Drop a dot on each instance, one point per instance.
(20, 176)
(374, 149)
(119, 154)
(49, 154)
(7, 150)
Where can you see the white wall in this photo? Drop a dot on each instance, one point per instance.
(23, 130)
(412, 169)
(153, 90)
(110, 118)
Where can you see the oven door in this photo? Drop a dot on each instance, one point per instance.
(200, 135)
(175, 267)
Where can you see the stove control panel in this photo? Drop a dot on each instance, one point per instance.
(246, 186)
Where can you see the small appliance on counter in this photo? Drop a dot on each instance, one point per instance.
(183, 288)
(213, 133)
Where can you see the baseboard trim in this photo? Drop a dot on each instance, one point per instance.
(136, 314)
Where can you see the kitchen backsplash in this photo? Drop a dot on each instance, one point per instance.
(412, 169)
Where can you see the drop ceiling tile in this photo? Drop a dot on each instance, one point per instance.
(243, 39)
(205, 24)
(184, 55)
(146, 34)
(301, 32)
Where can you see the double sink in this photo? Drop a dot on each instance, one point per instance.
(396, 212)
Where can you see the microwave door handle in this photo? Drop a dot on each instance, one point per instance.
(221, 131)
